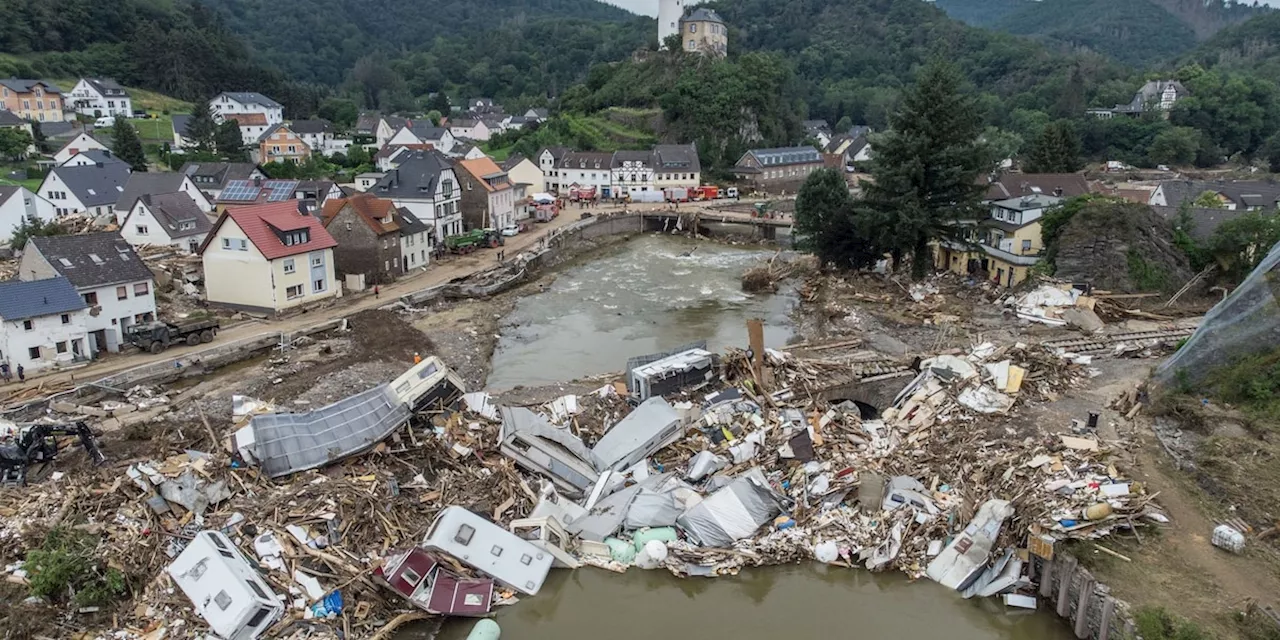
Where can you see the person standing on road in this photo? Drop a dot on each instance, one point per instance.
(376, 291)
(4, 372)
(22, 374)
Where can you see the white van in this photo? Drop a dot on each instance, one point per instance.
(105, 122)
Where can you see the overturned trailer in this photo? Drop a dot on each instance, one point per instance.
(424, 581)
(536, 445)
(285, 443)
(688, 368)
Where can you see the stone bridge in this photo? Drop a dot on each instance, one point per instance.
(871, 395)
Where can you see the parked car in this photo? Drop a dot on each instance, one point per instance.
(141, 114)
(510, 231)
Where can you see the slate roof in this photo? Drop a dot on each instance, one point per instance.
(409, 223)
(103, 156)
(25, 86)
(311, 126)
(93, 185)
(682, 157)
(7, 191)
(815, 125)
(115, 261)
(107, 87)
(141, 184)
(59, 129)
(645, 158)
(556, 152)
(1013, 185)
(1204, 221)
(463, 123)
(784, 156)
(181, 123)
(173, 210)
(371, 209)
(223, 172)
(250, 97)
(416, 177)
(1246, 193)
(511, 162)
(367, 123)
(703, 14)
(425, 131)
(262, 222)
(585, 160)
(10, 119)
(20, 300)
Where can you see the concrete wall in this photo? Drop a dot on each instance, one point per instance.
(1072, 592)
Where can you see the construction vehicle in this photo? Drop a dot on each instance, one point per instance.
(37, 444)
(474, 239)
(157, 336)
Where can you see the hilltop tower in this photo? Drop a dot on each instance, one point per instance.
(669, 14)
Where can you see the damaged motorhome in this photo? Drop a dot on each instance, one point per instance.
(687, 368)
(225, 588)
(424, 581)
(536, 445)
(488, 548)
(651, 426)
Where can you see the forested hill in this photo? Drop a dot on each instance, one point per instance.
(1253, 47)
(320, 40)
(1140, 32)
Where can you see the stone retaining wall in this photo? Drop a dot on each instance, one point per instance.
(1080, 600)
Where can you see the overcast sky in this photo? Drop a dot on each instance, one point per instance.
(650, 7)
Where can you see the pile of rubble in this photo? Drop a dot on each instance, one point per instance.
(698, 463)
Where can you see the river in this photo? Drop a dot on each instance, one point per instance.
(647, 296)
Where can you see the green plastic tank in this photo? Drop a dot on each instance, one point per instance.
(485, 629)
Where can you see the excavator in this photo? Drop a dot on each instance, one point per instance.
(37, 445)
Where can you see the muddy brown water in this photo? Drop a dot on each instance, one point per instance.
(650, 296)
(792, 602)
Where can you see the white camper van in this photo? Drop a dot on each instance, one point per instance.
(487, 547)
(225, 589)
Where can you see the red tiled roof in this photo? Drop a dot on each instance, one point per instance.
(258, 221)
(371, 209)
(248, 119)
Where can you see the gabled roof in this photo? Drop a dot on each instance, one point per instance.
(182, 122)
(463, 123)
(409, 223)
(250, 97)
(276, 128)
(59, 130)
(107, 87)
(511, 162)
(681, 157)
(251, 191)
(1028, 202)
(1203, 221)
(10, 119)
(426, 131)
(1244, 193)
(371, 209)
(94, 185)
(223, 172)
(391, 150)
(7, 191)
(367, 123)
(483, 169)
(585, 160)
(262, 223)
(25, 86)
(702, 14)
(98, 156)
(815, 125)
(416, 177)
(92, 259)
(311, 126)
(783, 156)
(20, 300)
(1013, 185)
(645, 158)
(556, 152)
(179, 214)
(247, 119)
(141, 184)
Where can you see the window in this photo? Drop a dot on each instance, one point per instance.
(1026, 245)
(464, 535)
(294, 291)
(61, 347)
(122, 293)
(258, 590)
(301, 236)
(33, 353)
(526, 559)
(317, 260)
(496, 551)
(66, 318)
(140, 289)
(693, 28)
(410, 576)
(91, 298)
(28, 325)
(258, 617)
(317, 286)
(142, 229)
(288, 265)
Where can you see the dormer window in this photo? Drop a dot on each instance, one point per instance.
(299, 236)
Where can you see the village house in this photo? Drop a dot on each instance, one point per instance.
(771, 168)
(154, 184)
(314, 193)
(365, 181)
(422, 132)
(676, 166)
(466, 151)
(425, 183)
(480, 106)
(165, 219)
(704, 31)
(515, 123)
(469, 128)
(1015, 185)
(524, 174)
(587, 173)
(390, 156)
(537, 115)
(819, 130)
(90, 189)
(488, 197)
(235, 103)
(10, 120)
(42, 324)
(252, 126)
(319, 136)
(182, 131)
(32, 99)
(630, 172)
(375, 239)
(268, 258)
(1004, 247)
(213, 177)
(549, 162)
(79, 144)
(92, 157)
(17, 205)
(374, 130)
(849, 152)
(113, 281)
(281, 143)
(241, 193)
(1155, 95)
(1239, 195)
(97, 97)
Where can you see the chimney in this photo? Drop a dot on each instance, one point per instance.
(98, 165)
(1057, 191)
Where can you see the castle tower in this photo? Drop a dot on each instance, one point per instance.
(669, 14)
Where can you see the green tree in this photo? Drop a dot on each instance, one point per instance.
(127, 145)
(229, 142)
(1271, 152)
(340, 111)
(1003, 144)
(377, 81)
(824, 220)
(926, 168)
(438, 102)
(1240, 244)
(844, 124)
(14, 143)
(1209, 200)
(1175, 146)
(32, 227)
(435, 117)
(1057, 150)
(202, 127)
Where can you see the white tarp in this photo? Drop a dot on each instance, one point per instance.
(735, 512)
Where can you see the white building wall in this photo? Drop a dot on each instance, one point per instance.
(21, 204)
(669, 14)
(46, 332)
(122, 305)
(415, 250)
(79, 144)
(237, 277)
(64, 201)
(95, 105)
(589, 177)
(225, 105)
(300, 274)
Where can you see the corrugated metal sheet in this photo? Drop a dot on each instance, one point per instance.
(286, 443)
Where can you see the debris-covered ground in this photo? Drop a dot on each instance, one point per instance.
(827, 475)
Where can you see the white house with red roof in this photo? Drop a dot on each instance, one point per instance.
(268, 258)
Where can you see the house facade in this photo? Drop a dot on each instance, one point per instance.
(1155, 95)
(1236, 195)
(17, 204)
(112, 280)
(97, 97)
(375, 239)
(426, 184)
(549, 162)
(281, 143)
(32, 99)
(630, 172)
(252, 126)
(154, 184)
(268, 258)
(584, 170)
(488, 197)
(523, 171)
(703, 31)
(213, 177)
(42, 324)
(91, 189)
(1005, 247)
(469, 129)
(676, 166)
(318, 136)
(244, 102)
(169, 219)
(417, 132)
(79, 144)
(780, 167)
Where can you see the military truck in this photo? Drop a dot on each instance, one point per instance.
(157, 336)
(474, 239)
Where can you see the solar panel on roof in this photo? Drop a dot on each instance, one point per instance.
(279, 184)
(279, 195)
